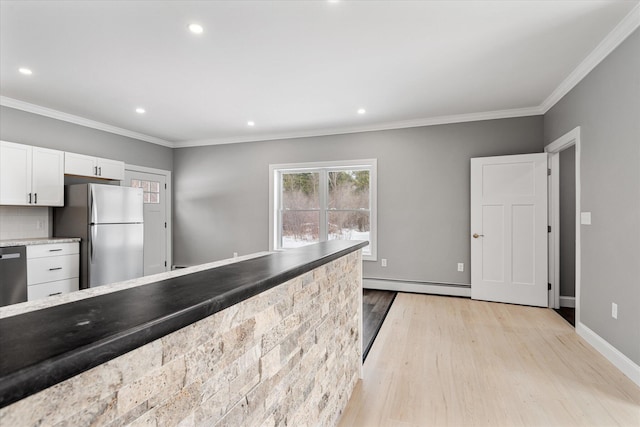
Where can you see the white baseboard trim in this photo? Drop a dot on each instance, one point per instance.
(567, 301)
(612, 354)
(418, 287)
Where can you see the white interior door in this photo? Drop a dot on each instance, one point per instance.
(155, 218)
(509, 229)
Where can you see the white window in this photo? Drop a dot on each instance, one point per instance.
(316, 202)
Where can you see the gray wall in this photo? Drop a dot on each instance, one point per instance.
(33, 129)
(221, 192)
(568, 222)
(606, 106)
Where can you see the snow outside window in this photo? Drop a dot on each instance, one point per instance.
(316, 202)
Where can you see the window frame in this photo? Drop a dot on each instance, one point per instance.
(275, 191)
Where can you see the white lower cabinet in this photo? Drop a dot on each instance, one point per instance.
(52, 269)
(44, 290)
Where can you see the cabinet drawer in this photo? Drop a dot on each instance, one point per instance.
(44, 290)
(50, 269)
(53, 249)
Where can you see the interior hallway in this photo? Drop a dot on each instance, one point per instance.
(443, 361)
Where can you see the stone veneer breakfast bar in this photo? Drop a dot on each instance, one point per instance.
(273, 339)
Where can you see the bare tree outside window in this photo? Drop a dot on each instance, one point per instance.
(300, 209)
(348, 203)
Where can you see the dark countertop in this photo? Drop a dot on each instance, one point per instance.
(41, 348)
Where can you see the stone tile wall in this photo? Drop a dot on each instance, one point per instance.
(289, 356)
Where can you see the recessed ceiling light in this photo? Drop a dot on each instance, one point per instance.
(25, 71)
(140, 110)
(251, 123)
(361, 111)
(196, 28)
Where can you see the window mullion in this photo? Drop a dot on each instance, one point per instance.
(324, 194)
(278, 202)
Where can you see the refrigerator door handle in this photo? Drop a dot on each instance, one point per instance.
(91, 240)
(94, 208)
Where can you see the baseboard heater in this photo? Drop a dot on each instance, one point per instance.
(413, 286)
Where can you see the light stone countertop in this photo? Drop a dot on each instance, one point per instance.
(37, 241)
(25, 307)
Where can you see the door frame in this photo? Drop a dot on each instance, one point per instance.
(571, 138)
(168, 205)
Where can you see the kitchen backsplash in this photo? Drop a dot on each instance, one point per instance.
(17, 222)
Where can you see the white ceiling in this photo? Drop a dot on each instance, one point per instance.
(296, 67)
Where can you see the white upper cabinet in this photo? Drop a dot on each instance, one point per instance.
(110, 169)
(79, 164)
(15, 173)
(31, 176)
(96, 167)
(47, 180)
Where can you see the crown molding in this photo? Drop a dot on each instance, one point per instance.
(59, 115)
(621, 31)
(432, 121)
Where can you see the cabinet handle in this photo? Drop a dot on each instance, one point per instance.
(55, 268)
(35, 196)
(100, 171)
(55, 250)
(55, 293)
(95, 170)
(29, 198)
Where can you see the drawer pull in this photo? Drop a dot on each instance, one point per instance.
(55, 250)
(55, 268)
(56, 293)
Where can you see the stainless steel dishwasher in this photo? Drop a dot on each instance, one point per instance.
(13, 275)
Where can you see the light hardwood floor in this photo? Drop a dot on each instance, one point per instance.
(442, 361)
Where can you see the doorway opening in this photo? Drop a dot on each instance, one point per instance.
(564, 218)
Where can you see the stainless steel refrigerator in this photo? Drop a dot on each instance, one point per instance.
(109, 221)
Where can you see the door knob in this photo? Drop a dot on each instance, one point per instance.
(476, 235)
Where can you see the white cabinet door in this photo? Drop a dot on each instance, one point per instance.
(82, 165)
(15, 173)
(79, 164)
(110, 169)
(48, 177)
(31, 175)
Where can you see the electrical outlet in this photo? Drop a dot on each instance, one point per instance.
(460, 266)
(383, 262)
(614, 310)
(39, 224)
(235, 254)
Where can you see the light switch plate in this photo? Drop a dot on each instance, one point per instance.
(585, 218)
